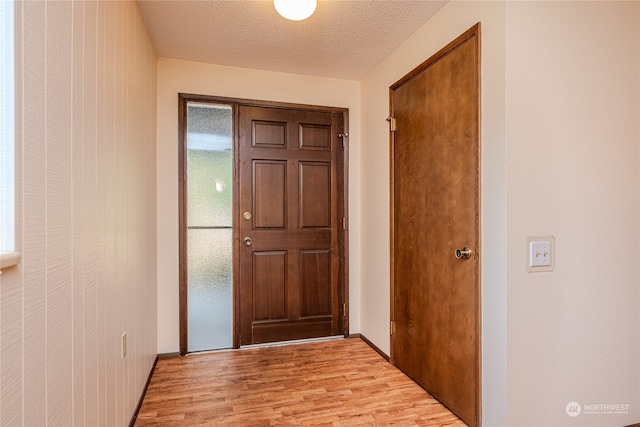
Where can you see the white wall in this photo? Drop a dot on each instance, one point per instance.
(176, 76)
(455, 18)
(86, 197)
(573, 134)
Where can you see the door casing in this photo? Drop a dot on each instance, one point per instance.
(183, 99)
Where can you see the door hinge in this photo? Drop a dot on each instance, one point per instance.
(344, 136)
(392, 123)
(344, 223)
(393, 327)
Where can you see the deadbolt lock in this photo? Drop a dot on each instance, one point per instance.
(246, 215)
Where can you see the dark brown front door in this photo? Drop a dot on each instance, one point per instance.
(291, 207)
(435, 198)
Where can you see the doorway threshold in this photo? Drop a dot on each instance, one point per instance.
(268, 344)
(292, 342)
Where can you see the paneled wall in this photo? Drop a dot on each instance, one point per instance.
(86, 217)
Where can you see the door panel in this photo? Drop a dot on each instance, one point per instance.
(269, 194)
(315, 195)
(435, 296)
(315, 289)
(270, 285)
(290, 184)
(315, 137)
(269, 134)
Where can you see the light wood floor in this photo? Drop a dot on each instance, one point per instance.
(328, 383)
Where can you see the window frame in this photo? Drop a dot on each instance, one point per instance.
(8, 253)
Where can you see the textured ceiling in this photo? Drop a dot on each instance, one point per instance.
(343, 39)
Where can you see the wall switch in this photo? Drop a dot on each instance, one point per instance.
(124, 345)
(539, 254)
(540, 251)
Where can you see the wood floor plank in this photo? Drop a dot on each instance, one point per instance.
(335, 383)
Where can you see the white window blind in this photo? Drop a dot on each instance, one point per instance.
(7, 140)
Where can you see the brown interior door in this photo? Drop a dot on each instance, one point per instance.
(435, 212)
(291, 209)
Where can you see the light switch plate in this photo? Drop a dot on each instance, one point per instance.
(541, 253)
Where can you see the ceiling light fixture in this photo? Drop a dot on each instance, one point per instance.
(295, 10)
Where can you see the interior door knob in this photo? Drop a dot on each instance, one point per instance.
(464, 253)
(247, 241)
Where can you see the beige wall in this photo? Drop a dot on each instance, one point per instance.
(560, 136)
(560, 139)
(86, 197)
(572, 170)
(549, 104)
(196, 78)
(451, 21)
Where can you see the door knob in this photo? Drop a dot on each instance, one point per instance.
(464, 253)
(247, 241)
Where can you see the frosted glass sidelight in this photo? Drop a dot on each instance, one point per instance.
(209, 188)
(209, 296)
(209, 160)
(209, 222)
